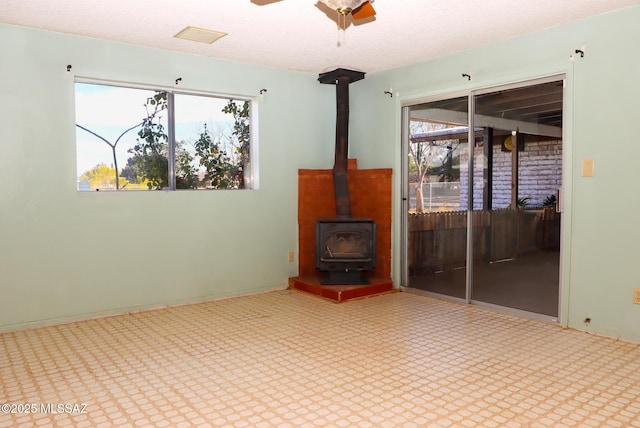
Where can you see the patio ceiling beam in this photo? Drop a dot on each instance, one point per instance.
(458, 117)
(458, 133)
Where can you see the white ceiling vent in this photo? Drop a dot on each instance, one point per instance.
(201, 35)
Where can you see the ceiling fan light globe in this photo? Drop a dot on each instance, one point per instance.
(344, 7)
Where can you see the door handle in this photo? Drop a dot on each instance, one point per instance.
(559, 199)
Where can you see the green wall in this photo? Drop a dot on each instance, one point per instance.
(66, 255)
(601, 232)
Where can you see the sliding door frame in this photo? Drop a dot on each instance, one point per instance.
(471, 97)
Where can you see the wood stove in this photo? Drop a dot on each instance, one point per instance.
(345, 246)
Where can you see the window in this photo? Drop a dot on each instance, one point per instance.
(155, 139)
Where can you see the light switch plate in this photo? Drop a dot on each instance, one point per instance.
(587, 167)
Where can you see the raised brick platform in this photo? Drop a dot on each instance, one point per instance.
(340, 293)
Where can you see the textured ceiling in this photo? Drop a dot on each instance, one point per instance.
(302, 34)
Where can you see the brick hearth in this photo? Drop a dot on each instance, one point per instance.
(370, 191)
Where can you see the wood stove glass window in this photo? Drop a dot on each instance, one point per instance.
(345, 244)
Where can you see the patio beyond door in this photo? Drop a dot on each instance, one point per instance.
(483, 176)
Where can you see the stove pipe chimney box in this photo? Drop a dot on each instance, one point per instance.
(345, 246)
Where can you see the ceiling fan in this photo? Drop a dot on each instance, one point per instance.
(358, 9)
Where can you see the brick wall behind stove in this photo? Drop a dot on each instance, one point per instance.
(370, 191)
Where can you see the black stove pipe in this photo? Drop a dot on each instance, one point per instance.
(341, 78)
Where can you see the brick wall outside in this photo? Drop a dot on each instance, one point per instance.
(370, 191)
(540, 168)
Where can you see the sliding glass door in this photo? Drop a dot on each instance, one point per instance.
(483, 172)
(438, 150)
(520, 168)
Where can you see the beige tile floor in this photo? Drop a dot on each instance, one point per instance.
(288, 359)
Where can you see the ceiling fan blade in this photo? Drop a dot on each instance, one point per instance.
(365, 10)
(264, 2)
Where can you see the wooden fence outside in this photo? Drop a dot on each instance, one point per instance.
(438, 240)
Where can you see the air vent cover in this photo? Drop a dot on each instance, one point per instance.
(199, 35)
